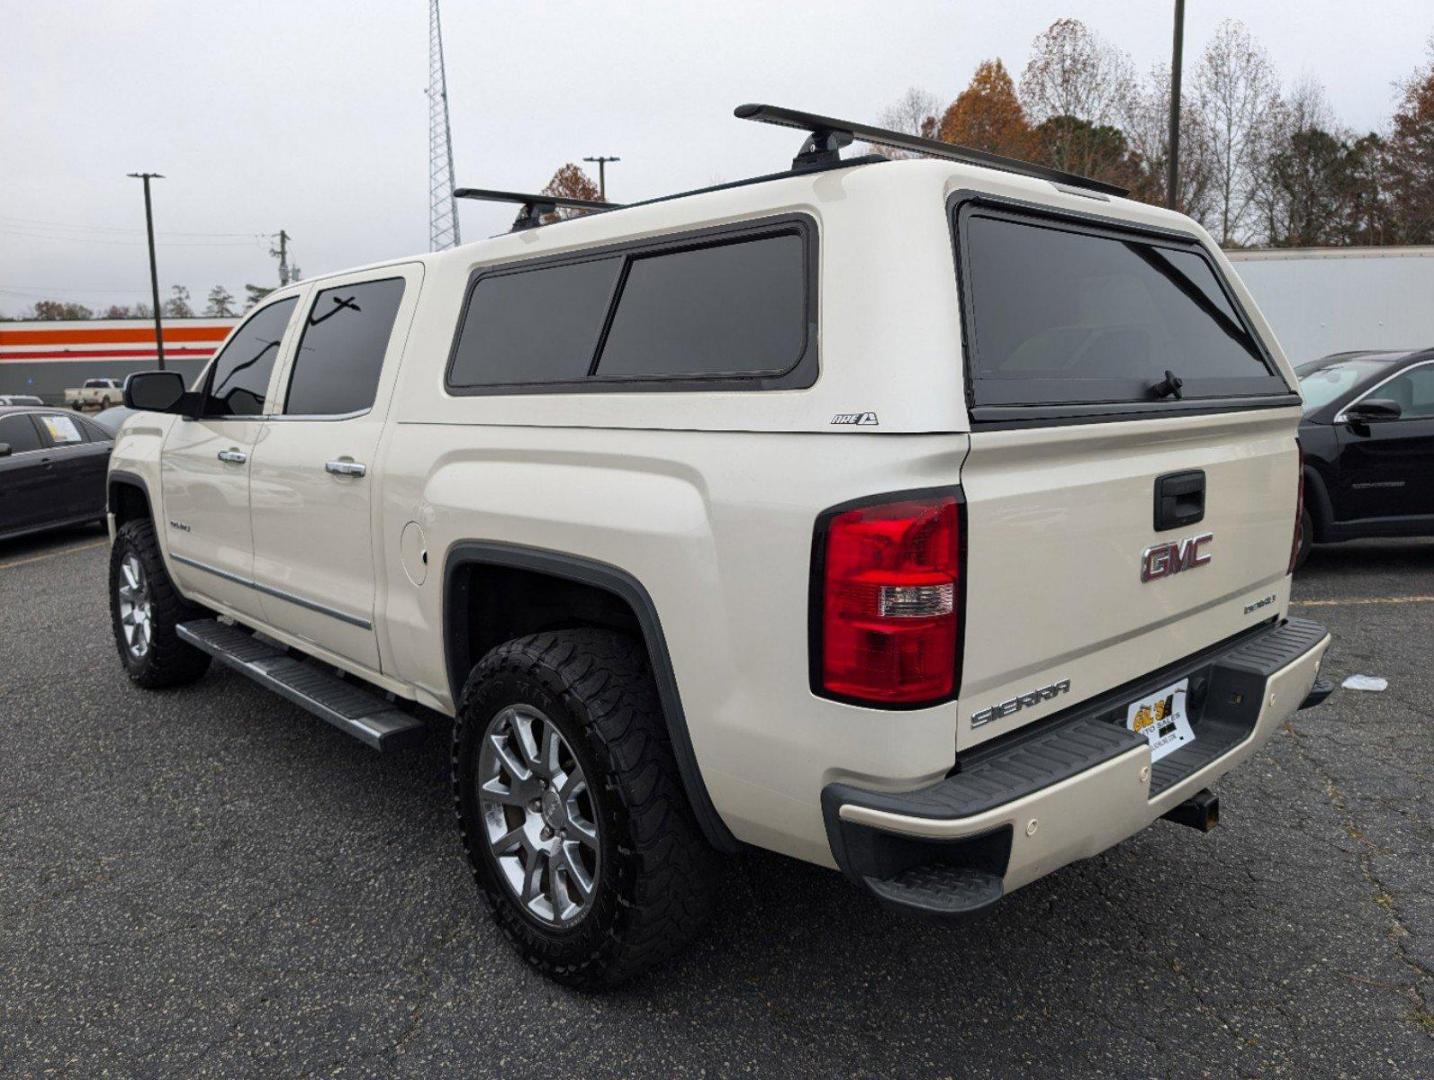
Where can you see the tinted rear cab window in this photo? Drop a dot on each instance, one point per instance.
(1058, 313)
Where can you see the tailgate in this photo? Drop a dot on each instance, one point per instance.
(1058, 523)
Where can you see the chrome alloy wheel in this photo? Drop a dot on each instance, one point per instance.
(538, 815)
(136, 608)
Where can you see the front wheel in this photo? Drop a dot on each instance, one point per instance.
(572, 811)
(146, 609)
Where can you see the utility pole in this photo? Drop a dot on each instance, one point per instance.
(153, 267)
(1172, 180)
(602, 173)
(282, 251)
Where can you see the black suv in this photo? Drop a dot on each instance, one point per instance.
(1368, 439)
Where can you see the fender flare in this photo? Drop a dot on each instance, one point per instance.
(625, 587)
(124, 476)
(1317, 501)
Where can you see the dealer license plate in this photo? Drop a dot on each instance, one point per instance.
(1162, 719)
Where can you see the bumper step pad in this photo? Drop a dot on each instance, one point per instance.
(939, 889)
(351, 708)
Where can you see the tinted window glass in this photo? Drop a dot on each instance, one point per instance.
(1413, 392)
(20, 433)
(340, 354)
(534, 325)
(241, 372)
(1062, 316)
(730, 309)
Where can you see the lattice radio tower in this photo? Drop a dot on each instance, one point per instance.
(442, 207)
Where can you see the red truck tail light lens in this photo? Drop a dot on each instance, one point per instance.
(889, 577)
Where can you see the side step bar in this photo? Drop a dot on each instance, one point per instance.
(350, 708)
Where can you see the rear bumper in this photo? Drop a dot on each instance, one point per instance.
(1071, 786)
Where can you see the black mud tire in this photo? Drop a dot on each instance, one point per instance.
(168, 660)
(657, 885)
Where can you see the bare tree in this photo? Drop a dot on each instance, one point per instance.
(177, 306)
(1147, 126)
(1077, 89)
(221, 303)
(914, 113)
(1237, 91)
(1411, 157)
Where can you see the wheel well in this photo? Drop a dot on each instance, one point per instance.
(128, 502)
(500, 603)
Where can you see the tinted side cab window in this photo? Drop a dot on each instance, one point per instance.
(340, 355)
(684, 312)
(239, 378)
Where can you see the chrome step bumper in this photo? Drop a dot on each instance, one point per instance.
(1071, 786)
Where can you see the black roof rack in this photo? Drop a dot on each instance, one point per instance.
(534, 206)
(826, 136)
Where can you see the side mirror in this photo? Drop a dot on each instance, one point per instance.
(4, 449)
(154, 391)
(1373, 411)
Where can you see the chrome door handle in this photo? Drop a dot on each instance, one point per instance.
(234, 457)
(346, 467)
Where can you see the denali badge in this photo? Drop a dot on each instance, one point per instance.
(1162, 560)
(865, 419)
(1025, 701)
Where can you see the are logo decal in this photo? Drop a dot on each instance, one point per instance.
(861, 419)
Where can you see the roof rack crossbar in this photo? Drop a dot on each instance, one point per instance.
(533, 206)
(827, 135)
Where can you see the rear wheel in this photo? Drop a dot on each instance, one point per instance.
(145, 609)
(572, 811)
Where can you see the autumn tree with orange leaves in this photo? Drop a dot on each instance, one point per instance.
(570, 182)
(987, 115)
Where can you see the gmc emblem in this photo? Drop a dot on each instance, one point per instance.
(1162, 560)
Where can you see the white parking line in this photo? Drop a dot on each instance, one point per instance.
(1364, 600)
(54, 554)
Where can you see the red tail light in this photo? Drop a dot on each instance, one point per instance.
(888, 590)
(1299, 512)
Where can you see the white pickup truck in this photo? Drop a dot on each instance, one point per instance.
(95, 394)
(930, 519)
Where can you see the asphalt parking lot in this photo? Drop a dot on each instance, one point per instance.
(209, 882)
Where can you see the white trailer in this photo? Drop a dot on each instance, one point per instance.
(1328, 300)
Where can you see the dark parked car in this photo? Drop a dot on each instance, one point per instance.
(52, 469)
(1368, 439)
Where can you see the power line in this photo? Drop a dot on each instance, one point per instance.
(36, 222)
(29, 235)
(602, 172)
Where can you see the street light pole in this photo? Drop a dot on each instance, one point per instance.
(1172, 181)
(153, 267)
(602, 173)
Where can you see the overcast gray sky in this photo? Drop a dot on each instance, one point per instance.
(311, 116)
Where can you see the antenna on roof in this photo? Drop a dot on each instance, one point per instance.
(826, 136)
(533, 206)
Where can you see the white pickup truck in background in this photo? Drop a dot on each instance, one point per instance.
(95, 394)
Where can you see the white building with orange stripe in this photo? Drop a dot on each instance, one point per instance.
(45, 357)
